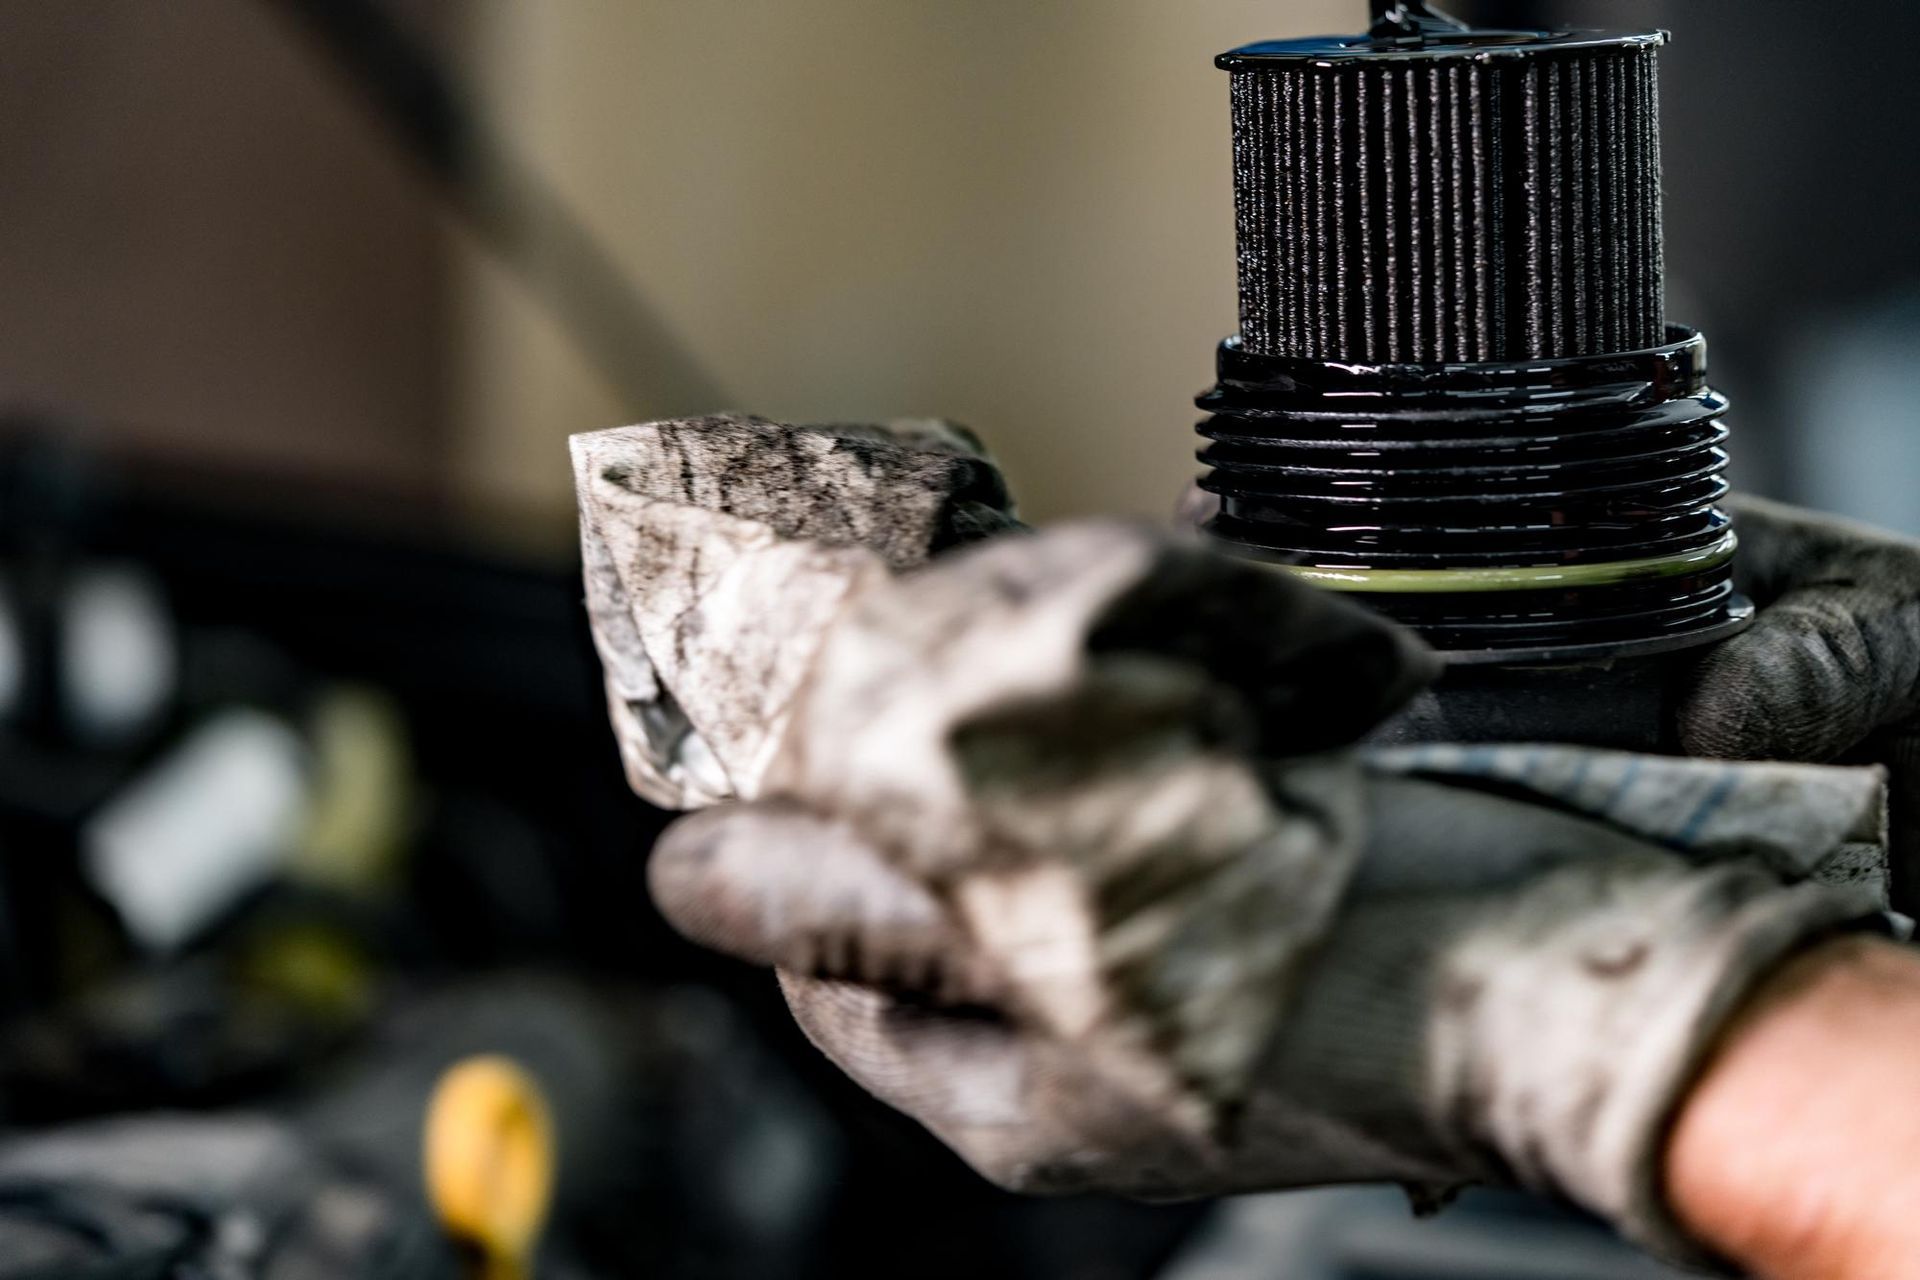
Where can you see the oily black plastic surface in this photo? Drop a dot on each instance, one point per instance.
(1628, 704)
(1586, 461)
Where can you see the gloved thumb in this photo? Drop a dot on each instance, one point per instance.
(1821, 669)
(774, 884)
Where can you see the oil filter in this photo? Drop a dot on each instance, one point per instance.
(1454, 393)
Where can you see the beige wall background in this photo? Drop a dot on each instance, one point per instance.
(1016, 213)
(211, 250)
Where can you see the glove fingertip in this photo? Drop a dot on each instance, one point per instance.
(706, 876)
(1785, 689)
(1720, 716)
(774, 884)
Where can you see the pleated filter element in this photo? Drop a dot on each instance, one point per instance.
(1450, 204)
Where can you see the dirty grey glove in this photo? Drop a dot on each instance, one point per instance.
(1830, 669)
(1053, 852)
(1071, 879)
(1538, 1029)
(716, 552)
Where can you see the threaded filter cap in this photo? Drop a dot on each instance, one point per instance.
(1454, 394)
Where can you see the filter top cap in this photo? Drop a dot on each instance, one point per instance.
(1462, 43)
(1405, 30)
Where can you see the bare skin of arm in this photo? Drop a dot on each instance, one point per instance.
(1797, 1155)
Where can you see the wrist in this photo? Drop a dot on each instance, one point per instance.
(1792, 1153)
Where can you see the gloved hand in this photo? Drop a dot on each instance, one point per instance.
(1051, 846)
(1067, 873)
(1830, 670)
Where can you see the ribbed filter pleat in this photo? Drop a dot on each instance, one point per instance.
(1443, 210)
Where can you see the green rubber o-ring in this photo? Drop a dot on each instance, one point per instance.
(1527, 578)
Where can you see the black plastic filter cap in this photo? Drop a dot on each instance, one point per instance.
(1454, 392)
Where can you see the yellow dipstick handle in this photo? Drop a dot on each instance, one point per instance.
(489, 1160)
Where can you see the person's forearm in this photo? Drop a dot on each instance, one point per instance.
(1797, 1154)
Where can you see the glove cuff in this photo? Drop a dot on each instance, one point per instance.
(1581, 1015)
(1543, 1035)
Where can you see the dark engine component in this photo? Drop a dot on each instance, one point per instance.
(1454, 392)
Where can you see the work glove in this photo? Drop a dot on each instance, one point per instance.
(716, 552)
(1830, 669)
(1056, 858)
(1058, 846)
